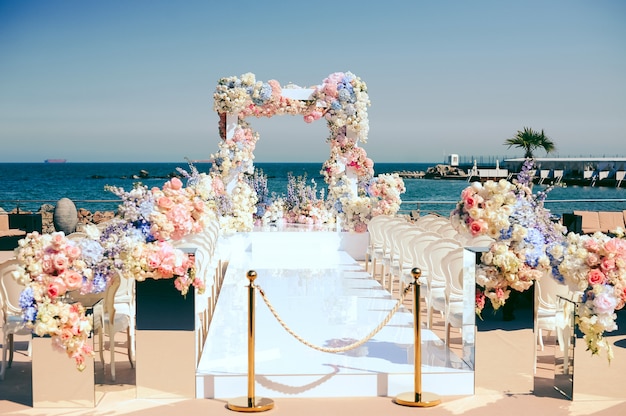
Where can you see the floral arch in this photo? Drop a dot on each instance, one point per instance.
(354, 194)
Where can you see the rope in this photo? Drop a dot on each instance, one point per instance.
(345, 348)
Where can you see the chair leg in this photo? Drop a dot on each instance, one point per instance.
(11, 339)
(4, 357)
(112, 350)
(129, 343)
(100, 345)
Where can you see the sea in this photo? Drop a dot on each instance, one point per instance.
(27, 186)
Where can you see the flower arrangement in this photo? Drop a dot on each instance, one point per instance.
(342, 100)
(136, 243)
(178, 211)
(139, 243)
(302, 203)
(486, 208)
(527, 239)
(50, 267)
(595, 266)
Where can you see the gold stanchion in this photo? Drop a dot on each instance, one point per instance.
(417, 398)
(251, 403)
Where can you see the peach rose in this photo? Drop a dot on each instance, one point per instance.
(73, 280)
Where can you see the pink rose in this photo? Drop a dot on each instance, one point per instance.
(165, 202)
(73, 251)
(176, 184)
(478, 226)
(469, 202)
(58, 239)
(73, 280)
(592, 244)
(56, 287)
(467, 192)
(61, 262)
(595, 277)
(47, 264)
(607, 264)
(616, 246)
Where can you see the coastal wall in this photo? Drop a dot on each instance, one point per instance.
(46, 212)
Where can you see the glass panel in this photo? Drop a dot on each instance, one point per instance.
(470, 258)
(564, 352)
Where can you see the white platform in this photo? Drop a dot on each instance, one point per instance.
(329, 304)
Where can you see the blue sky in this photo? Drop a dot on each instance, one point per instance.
(132, 81)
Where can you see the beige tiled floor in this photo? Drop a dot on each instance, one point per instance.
(119, 398)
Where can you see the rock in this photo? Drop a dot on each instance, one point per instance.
(65, 217)
(102, 216)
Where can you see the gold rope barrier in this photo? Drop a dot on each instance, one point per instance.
(346, 347)
(250, 403)
(417, 398)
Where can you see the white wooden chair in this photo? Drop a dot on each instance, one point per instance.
(12, 320)
(453, 292)
(547, 290)
(116, 314)
(437, 253)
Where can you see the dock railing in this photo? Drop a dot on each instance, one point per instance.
(556, 206)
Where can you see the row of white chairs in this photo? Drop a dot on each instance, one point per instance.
(431, 244)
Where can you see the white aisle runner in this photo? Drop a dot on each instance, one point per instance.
(325, 297)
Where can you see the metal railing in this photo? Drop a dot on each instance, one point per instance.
(556, 206)
(33, 205)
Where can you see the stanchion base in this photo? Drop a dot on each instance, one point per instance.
(245, 404)
(418, 400)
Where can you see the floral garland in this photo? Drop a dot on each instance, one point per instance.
(50, 267)
(595, 266)
(342, 100)
(526, 236)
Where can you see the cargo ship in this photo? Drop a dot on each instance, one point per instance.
(55, 160)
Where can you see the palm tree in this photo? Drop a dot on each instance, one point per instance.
(529, 140)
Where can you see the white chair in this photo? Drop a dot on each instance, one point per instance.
(12, 320)
(453, 292)
(116, 314)
(418, 246)
(392, 257)
(428, 220)
(437, 253)
(380, 251)
(375, 243)
(469, 240)
(406, 261)
(547, 290)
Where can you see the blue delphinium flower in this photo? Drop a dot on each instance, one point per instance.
(28, 304)
(534, 247)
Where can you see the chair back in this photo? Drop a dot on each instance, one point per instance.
(437, 253)
(547, 290)
(419, 245)
(10, 289)
(454, 286)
